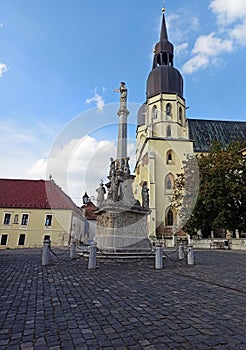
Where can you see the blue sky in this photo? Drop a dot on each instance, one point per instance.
(60, 59)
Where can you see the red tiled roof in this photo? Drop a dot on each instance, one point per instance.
(89, 210)
(38, 194)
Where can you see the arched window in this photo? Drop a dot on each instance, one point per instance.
(169, 131)
(154, 112)
(170, 157)
(180, 115)
(169, 110)
(169, 218)
(169, 182)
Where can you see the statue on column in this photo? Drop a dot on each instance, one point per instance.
(123, 93)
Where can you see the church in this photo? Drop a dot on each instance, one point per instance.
(165, 137)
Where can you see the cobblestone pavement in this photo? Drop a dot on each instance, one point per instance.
(122, 306)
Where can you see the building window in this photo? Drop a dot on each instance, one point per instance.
(16, 219)
(169, 218)
(4, 239)
(180, 115)
(48, 220)
(169, 131)
(169, 110)
(7, 219)
(24, 219)
(169, 182)
(46, 237)
(154, 112)
(22, 238)
(170, 157)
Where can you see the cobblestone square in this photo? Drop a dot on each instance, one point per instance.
(122, 305)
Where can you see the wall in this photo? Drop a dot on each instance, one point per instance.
(35, 230)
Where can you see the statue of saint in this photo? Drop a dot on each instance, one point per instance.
(114, 188)
(100, 197)
(123, 93)
(112, 167)
(145, 196)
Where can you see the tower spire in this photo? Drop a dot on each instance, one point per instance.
(163, 35)
(164, 78)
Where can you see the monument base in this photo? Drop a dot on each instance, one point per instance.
(122, 229)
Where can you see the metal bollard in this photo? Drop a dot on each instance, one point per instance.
(46, 252)
(158, 257)
(181, 251)
(93, 256)
(190, 255)
(72, 249)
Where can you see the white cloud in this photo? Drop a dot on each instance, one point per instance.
(231, 17)
(186, 25)
(238, 33)
(195, 63)
(79, 165)
(228, 11)
(181, 48)
(38, 170)
(21, 146)
(98, 100)
(1, 24)
(10, 133)
(211, 46)
(230, 32)
(3, 69)
(206, 51)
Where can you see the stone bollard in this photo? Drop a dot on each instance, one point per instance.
(190, 255)
(93, 256)
(72, 249)
(158, 257)
(174, 240)
(46, 252)
(181, 251)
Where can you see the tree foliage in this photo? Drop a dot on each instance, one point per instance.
(221, 201)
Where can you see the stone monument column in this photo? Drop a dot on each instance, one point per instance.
(121, 220)
(122, 128)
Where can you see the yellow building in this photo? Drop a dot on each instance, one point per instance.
(34, 210)
(165, 138)
(162, 137)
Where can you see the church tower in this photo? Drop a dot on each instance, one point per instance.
(162, 137)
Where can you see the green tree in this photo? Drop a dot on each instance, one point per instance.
(221, 201)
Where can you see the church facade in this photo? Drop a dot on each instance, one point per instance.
(165, 137)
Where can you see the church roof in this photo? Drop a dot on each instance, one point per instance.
(204, 132)
(34, 194)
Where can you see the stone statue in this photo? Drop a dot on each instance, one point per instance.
(114, 188)
(145, 196)
(100, 197)
(123, 93)
(127, 167)
(112, 167)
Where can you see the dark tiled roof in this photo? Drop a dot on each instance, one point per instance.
(204, 132)
(38, 194)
